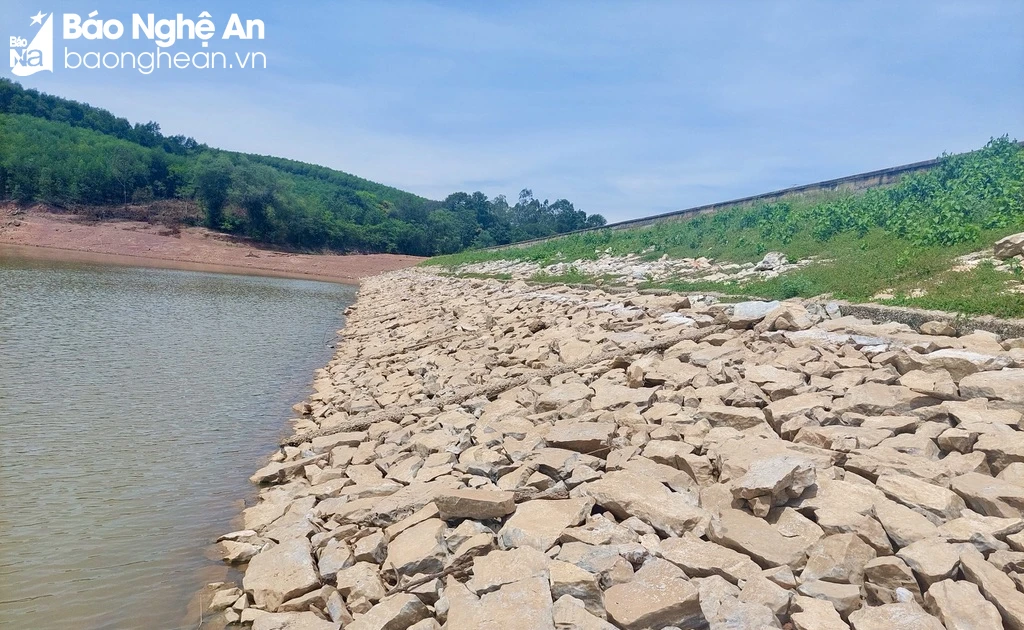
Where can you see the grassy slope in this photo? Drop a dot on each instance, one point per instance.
(898, 239)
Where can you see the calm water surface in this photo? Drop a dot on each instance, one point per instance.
(134, 404)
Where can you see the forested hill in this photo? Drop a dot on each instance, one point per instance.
(69, 154)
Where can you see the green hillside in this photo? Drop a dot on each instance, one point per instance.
(71, 155)
(901, 240)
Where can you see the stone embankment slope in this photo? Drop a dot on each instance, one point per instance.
(494, 455)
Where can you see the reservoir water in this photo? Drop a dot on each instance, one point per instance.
(134, 404)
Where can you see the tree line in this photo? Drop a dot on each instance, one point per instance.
(70, 154)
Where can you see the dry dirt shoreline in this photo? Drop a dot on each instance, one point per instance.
(494, 455)
(42, 235)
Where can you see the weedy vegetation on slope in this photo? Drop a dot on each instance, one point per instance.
(901, 239)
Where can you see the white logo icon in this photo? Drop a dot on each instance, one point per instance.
(28, 58)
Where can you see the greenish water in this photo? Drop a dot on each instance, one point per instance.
(134, 404)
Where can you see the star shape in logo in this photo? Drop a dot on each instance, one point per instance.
(38, 18)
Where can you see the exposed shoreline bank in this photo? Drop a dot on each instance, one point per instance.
(480, 451)
(45, 236)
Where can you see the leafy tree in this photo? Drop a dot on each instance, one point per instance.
(127, 168)
(212, 176)
(254, 188)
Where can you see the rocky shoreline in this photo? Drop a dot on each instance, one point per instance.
(482, 454)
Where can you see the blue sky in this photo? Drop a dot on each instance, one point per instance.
(624, 108)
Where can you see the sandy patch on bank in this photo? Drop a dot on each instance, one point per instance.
(36, 234)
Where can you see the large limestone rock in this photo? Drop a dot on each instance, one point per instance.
(746, 314)
(361, 581)
(757, 539)
(563, 395)
(838, 558)
(591, 438)
(540, 523)
(880, 460)
(961, 606)
(1001, 448)
(842, 438)
(279, 471)
(334, 556)
(569, 613)
(390, 509)
(707, 353)
(224, 598)
(569, 579)
(668, 452)
(771, 261)
(902, 525)
(839, 520)
(773, 481)
(521, 605)
(908, 616)
(601, 529)
(990, 496)
(790, 407)
(1007, 384)
(931, 560)
(699, 558)
(937, 383)
(659, 595)
(981, 531)
(795, 526)
(397, 612)
(714, 593)
(877, 399)
(938, 504)
(935, 327)
(291, 621)
(611, 396)
(733, 613)
(280, 573)
(884, 575)
(810, 613)
(738, 418)
(844, 597)
(762, 590)
(625, 494)
(734, 457)
(419, 549)
(605, 561)
(787, 317)
(956, 363)
(238, 552)
(1009, 246)
(572, 350)
(498, 568)
(997, 588)
(475, 504)
(762, 374)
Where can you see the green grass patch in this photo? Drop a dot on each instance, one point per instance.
(483, 276)
(572, 276)
(981, 291)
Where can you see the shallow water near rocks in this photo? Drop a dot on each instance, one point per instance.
(134, 404)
